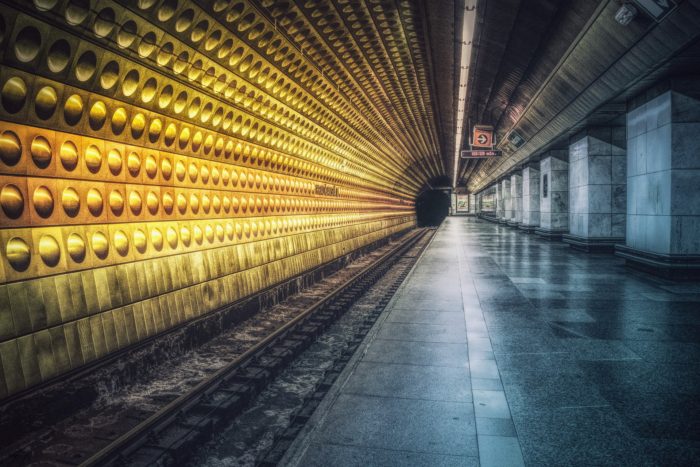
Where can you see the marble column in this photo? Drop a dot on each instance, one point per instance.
(531, 198)
(507, 201)
(554, 194)
(663, 181)
(597, 189)
(499, 201)
(472, 204)
(516, 196)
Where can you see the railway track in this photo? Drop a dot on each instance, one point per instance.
(183, 421)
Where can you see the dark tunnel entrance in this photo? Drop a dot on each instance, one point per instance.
(432, 207)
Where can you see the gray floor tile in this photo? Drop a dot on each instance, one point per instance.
(417, 353)
(490, 404)
(402, 424)
(499, 451)
(324, 455)
(439, 383)
(423, 332)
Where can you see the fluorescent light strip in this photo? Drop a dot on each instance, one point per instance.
(468, 22)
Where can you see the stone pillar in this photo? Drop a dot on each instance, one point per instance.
(554, 194)
(472, 204)
(507, 201)
(663, 182)
(499, 201)
(516, 196)
(531, 198)
(597, 194)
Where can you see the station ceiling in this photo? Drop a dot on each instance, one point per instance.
(545, 68)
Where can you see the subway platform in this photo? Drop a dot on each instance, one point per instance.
(503, 349)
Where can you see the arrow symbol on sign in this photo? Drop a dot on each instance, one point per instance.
(481, 139)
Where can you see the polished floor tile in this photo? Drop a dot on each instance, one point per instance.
(505, 349)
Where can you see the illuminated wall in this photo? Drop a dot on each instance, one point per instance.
(160, 159)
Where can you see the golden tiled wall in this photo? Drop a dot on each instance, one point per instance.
(162, 158)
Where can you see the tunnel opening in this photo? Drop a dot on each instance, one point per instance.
(432, 207)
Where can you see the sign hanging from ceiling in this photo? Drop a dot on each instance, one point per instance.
(480, 154)
(482, 144)
(482, 137)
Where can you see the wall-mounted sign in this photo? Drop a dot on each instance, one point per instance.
(657, 9)
(482, 137)
(545, 185)
(462, 203)
(326, 190)
(480, 154)
(515, 139)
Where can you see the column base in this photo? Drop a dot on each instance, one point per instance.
(512, 223)
(677, 267)
(550, 234)
(502, 220)
(489, 218)
(592, 245)
(527, 228)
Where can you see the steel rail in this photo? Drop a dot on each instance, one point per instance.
(115, 450)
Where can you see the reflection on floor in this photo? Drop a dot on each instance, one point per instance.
(503, 348)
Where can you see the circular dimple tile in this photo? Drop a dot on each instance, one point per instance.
(109, 75)
(49, 250)
(41, 151)
(69, 155)
(45, 5)
(97, 115)
(77, 11)
(152, 203)
(73, 109)
(121, 243)
(135, 203)
(119, 119)
(42, 199)
(140, 242)
(95, 202)
(151, 167)
(104, 22)
(58, 56)
(86, 65)
(100, 245)
(185, 236)
(70, 200)
(171, 236)
(116, 203)
(18, 254)
(127, 34)
(76, 247)
(27, 44)
(133, 164)
(168, 203)
(138, 125)
(157, 239)
(11, 201)
(10, 148)
(93, 159)
(45, 102)
(14, 94)
(166, 168)
(114, 161)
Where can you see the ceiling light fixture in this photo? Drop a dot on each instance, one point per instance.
(468, 23)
